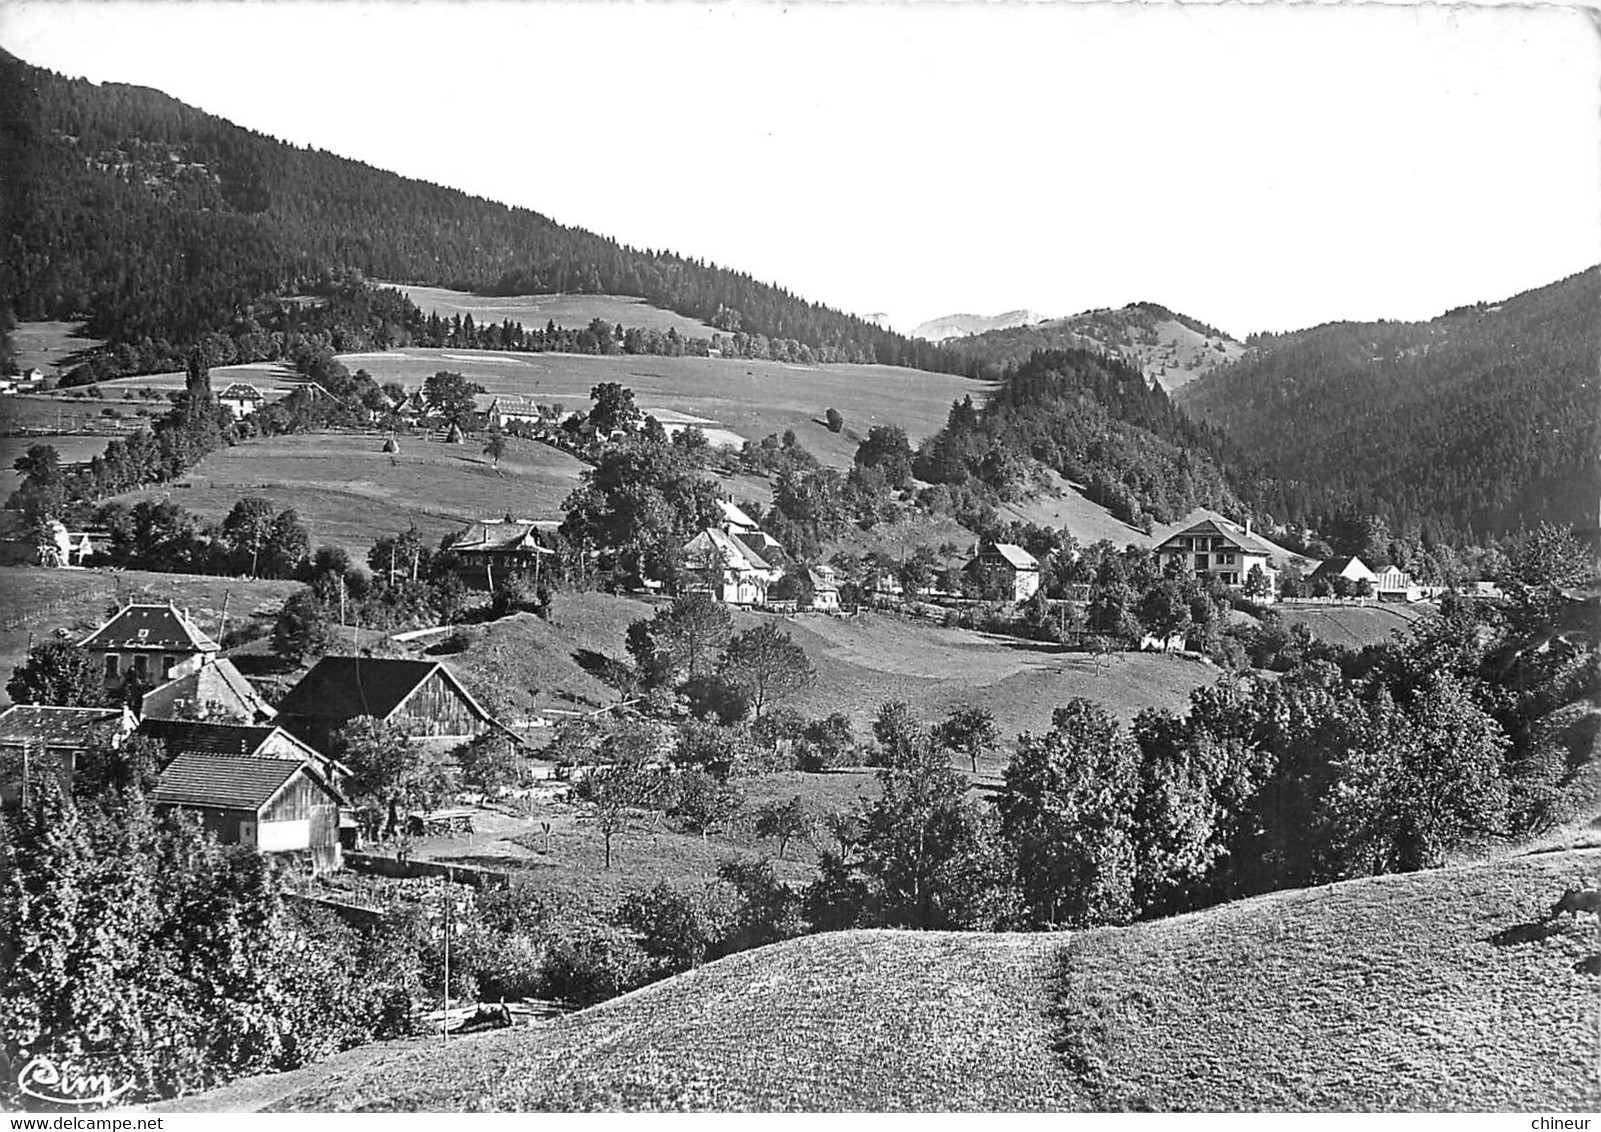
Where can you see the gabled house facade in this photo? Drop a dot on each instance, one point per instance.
(825, 588)
(1215, 549)
(241, 399)
(505, 410)
(1018, 566)
(726, 567)
(148, 643)
(217, 689)
(423, 699)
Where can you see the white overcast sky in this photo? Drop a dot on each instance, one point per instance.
(1258, 167)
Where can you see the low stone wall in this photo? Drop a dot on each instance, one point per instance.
(390, 867)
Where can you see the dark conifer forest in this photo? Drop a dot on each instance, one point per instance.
(1483, 421)
(156, 222)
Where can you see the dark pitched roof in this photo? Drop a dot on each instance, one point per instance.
(193, 736)
(150, 627)
(241, 391)
(224, 782)
(344, 687)
(55, 726)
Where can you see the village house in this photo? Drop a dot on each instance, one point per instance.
(421, 698)
(241, 399)
(497, 548)
(505, 410)
(1018, 566)
(1214, 548)
(825, 588)
(726, 567)
(271, 805)
(36, 738)
(215, 690)
(148, 643)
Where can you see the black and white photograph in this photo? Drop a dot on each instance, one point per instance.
(842, 556)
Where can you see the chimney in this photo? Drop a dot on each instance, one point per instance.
(1247, 527)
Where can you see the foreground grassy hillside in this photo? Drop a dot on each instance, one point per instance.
(1433, 991)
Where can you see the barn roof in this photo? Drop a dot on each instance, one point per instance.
(225, 782)
(734, 515)
(344, 687)
(499, 535)
(56, 726)
(156, 627)
(190, 736)
(511, 403)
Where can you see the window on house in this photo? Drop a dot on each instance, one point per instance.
(167, 661)
(141, 667)
(111, 666)
(1200, 562)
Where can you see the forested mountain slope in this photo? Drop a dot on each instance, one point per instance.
(151, 219)
(1479, 422)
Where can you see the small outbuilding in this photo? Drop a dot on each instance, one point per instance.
(277, 806)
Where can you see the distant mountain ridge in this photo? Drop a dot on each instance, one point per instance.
(1168, 348)
(963, 325)
(1480, 422)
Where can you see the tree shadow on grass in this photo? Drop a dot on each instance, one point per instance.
(1519, 934)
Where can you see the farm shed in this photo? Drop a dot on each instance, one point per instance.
(269, 805)
(422, 698)
(148, 643)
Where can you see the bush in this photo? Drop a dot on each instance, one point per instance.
(588, 960)
(835, 419)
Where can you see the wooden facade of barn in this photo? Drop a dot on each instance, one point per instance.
(437, 709)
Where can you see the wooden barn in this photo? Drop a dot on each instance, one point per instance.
(271, 805)
(422, 698)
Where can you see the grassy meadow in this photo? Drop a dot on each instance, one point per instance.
(1434, 991)
(1355, 626)
(535, 311)
(349, 492)
(49, 345)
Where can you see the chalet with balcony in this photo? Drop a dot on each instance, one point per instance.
(493, 550)
(1215, 548)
